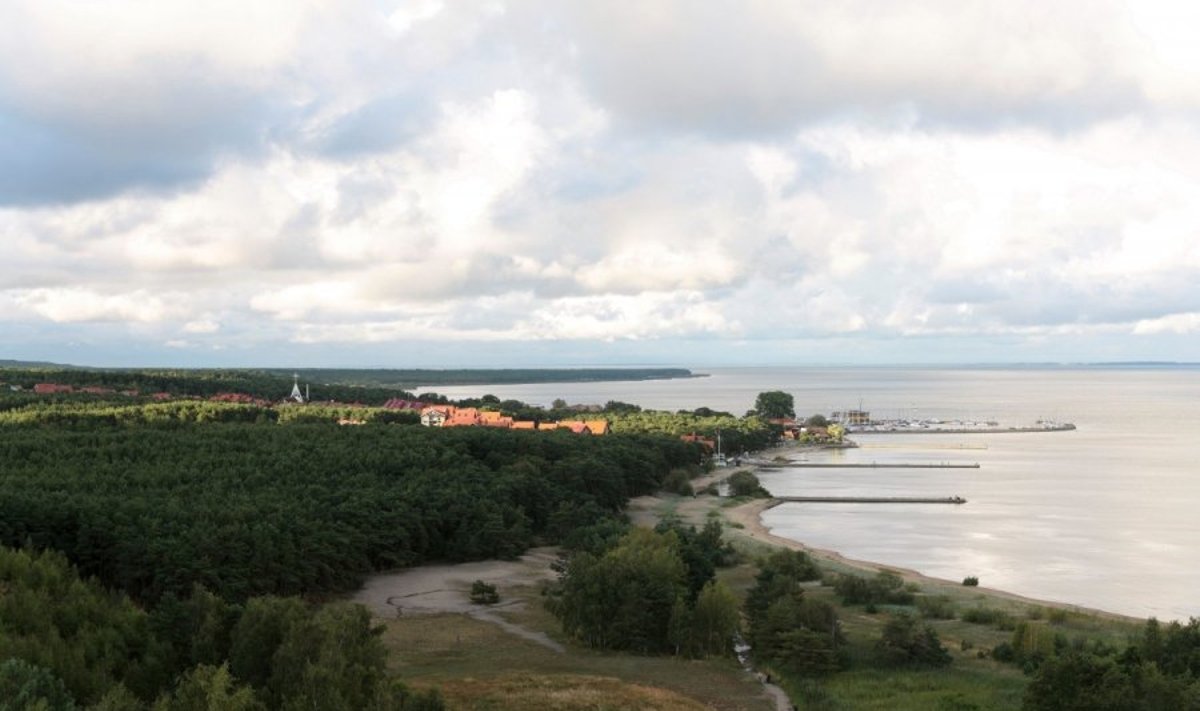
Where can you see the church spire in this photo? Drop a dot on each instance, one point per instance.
(296, 394)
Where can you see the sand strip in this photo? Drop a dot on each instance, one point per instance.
(749, 515)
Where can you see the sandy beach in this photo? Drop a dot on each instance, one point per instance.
(749, 516)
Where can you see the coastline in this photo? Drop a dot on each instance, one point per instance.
(749, 516)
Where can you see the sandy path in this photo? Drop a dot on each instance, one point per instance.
(750, 517)
(433, 589)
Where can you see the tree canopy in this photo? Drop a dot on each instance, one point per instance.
(775, 404)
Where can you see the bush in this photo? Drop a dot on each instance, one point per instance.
(885, 588)
(744, 483)
(989, 616)
(484, 593)
(679, 482)
(936, 608)
(904, 642)
(1004, 652)
(971, 581)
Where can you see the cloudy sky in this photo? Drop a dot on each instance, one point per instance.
(371, 183)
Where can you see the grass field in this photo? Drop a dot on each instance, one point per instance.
(473, 662)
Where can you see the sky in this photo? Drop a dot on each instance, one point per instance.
(524, 183)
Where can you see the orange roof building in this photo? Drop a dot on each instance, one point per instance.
(598, 427)
(463, 417)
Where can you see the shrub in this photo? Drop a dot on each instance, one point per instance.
(1004, 652)
(484, 593)
(677, 481)
(744, 483)
(971, 581)
(936, 608)
(989, 616)
(905, 642)
(885, 588)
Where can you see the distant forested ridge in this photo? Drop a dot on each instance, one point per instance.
(197, 383)
(332, 383)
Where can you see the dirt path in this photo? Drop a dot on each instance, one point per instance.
(433, 589)
(489, 615)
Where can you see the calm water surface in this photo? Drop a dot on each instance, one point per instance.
(1107, 516)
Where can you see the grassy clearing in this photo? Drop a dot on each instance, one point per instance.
(958, 688)
(450, 650)
(562, 693)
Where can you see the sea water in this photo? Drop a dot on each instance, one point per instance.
(1105, 516)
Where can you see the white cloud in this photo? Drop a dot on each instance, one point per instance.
(201, 326)
(340, 173)
(1175, 323)
(75, 305)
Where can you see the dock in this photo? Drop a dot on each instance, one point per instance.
(898, 429)
(928, 445)
(868, 465)
(775, 501)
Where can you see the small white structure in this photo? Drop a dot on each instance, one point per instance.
(296, 395)
(434, 416)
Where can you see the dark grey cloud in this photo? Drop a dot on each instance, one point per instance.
(68, 153)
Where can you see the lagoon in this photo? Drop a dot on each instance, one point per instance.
(1106, 516)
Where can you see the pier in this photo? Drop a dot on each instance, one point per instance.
(868, 465)
(884, 428)
(775, 501)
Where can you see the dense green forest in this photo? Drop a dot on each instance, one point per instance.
(248, 509)
(204, 513)
(67, 643)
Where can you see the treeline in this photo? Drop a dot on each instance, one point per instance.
(271, 386)
(648, 591)
(656, 592)
(90, 414)
(376, 385)
(246, 509)
(1160, 670)
(738, 434)
(67, 643)
(335, 397)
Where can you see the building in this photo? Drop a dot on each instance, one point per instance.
(398, 403)
(296, 395)
(436, 416)
(598, 427)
